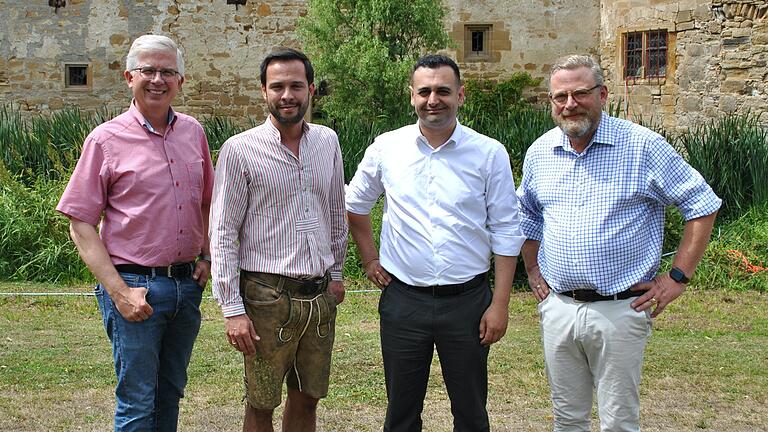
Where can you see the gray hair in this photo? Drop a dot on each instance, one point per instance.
(576, 61)
(153, 43)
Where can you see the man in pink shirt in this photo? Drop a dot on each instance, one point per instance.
(138, 205)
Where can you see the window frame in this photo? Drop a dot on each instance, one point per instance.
(68, 66)
(646, 69)
(469, 31)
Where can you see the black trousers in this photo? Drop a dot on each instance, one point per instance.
(413, 323)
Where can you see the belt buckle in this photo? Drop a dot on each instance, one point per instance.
(574, 295)
(309, 287)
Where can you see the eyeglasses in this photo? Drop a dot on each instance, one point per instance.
(148, 72)
(579, 95)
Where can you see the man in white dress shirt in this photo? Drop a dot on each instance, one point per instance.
(450, 206)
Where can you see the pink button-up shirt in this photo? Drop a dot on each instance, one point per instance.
(149, 191)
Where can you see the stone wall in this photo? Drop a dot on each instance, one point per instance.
(717, 59)
(527, 35)
(224, 44)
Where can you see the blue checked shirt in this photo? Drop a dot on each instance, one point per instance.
(599, 215)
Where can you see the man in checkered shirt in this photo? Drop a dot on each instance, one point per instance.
(592, 200)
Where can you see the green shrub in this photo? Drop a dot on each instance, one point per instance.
(365, 50)
(724, 265)
(34, 238)
(220, 129)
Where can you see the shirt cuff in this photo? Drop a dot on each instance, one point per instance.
(336, 276)
(233, 309)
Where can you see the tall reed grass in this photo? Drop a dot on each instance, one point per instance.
(732, 155)
(38, 154)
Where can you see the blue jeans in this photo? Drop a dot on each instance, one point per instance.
(151, 356)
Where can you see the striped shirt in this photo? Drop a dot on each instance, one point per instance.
(599, 214)
(276, 213)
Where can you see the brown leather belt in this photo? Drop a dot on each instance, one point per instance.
(293, 285)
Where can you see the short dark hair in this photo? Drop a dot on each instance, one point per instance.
(434, 61)
(285, 54)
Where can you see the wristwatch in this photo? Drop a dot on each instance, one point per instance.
(678, 276)
(204, 257)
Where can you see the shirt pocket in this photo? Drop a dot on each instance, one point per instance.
(195, 173)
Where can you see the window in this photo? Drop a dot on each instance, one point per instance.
(477, 42)
(645, 54)
(76, 76)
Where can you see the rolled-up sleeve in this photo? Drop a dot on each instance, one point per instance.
(366, 186)
(531, 218)
(503, 217)
(673, 181)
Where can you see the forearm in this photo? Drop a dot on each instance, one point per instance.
(530, 252)
(362, 233)
(696, 235)
(503, 276)
(206, 250)
(94, 254)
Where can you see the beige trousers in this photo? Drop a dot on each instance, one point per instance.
(595, 346)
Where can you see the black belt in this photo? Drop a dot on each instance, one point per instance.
(297, 286)
(175, 271)
(593, 296)
(446, 290)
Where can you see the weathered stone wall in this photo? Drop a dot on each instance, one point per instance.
(717, 62)
(223, 46)
(528, 35)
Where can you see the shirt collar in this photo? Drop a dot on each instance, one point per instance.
(454, 139)
(143, 120)
(275, 132)
(602, 135)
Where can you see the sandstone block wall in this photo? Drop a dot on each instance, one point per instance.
(527, 35)
(224, 44)
(717, 62)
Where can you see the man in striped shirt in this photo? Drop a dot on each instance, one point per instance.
(592, 201)
(278, 240)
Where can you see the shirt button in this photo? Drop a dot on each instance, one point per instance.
(177, 183)
(172, 161)
(181, 231)
(179, 207)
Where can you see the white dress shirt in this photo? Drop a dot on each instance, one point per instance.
(446, 210)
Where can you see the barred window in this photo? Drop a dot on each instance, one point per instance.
(645, 54)
(76, 75)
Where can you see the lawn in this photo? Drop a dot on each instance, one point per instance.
(705, 368)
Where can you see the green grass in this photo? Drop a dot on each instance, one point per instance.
(704, 368)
